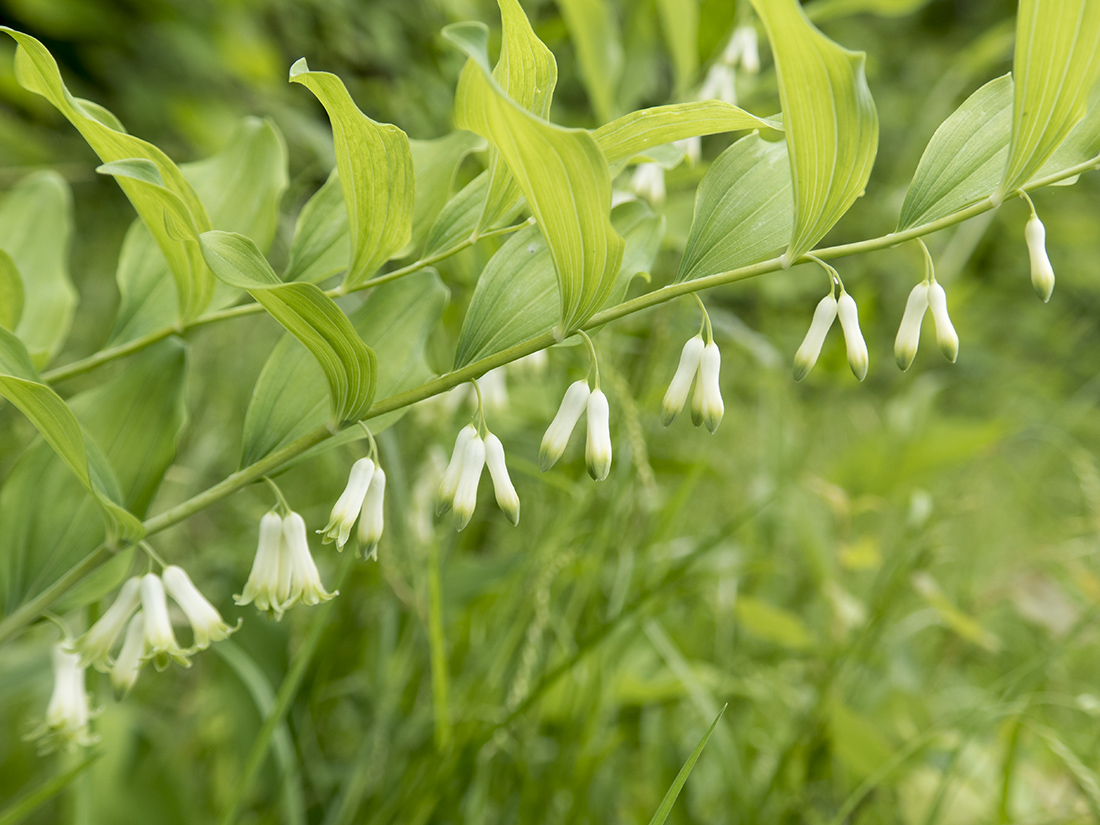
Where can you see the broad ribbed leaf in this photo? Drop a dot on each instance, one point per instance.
(562, 174)
(290, 397)
(459, 218)
(1057, 61)
(11, 292)
(595, 36)
(306, 313)
(240, 186)
(37, 72)
(22, 386)
(1081, 145)
(527, 73)
(680, 27)
(637, 132)
(436, 162)
(516, 297)
(830, 120)
(322, 243)
(135, 417)
(35, 225)
(965, 158)
(744, 209)
(376, 172)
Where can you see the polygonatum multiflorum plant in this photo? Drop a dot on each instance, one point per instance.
(563, 215)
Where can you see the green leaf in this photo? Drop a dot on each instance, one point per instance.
(36, 71)
(678, 783)
(595, 37)
(830, 120)
(135, 418)
(11, 292)
(322, 242)
(857, 742)
(290, 397)
(459, 219)
(639, 131)
(527, 73)
(680, 26)
(35, 226)
(744, 209)
(436, 162)
(964, 159)
(1081, 145)
(376, 172)
(516, 295)
(562, 174)
(241, 186)
(22, 386)
(1055, 66)
(308, 314)
(773, 624)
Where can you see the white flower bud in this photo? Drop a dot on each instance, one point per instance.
(95, 646)
(347, 506)
(269, 582)
(372, 517)
(807, 354)
(465, 499)
(706, 404)
(128, 664)
(1042, 273)
(305, 581)
(945, 331)
(853, 339)
(648, 182)
(507, 498)
(160, 640)
(693, 148)
(720, 84)
(680, 384)
(743, 49)
(206, 621)
(597, 449)
(449, 484)
(67, 714)
(557, 434)
(905, 345)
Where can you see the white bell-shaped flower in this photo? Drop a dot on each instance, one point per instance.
(853, 338)
(206, 621)
(507, 498)
(557, 434)
(597, 448)
(125, 671)
(706, 404)
(305, 581)
(268, 584)
(810, 349)
(946, 336)
(95, 646)
(693, 148)
(160, 640)
(743, 49)
(465, 498)
(449, 484)
(1042, 273)
(908, 338)
(720, 84)
(347, 507)
(648, 182)
(680, 385)
(67, 715)
(372, 516)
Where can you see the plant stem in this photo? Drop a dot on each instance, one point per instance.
(438, 644)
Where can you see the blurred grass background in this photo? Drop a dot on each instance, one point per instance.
(894, 585)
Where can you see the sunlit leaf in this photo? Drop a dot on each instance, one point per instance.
(35, 225)
(562, 174)
(306, 313)
(376, 173)
(595, 36)
(436, 162)
(55, 422)
(830, 120)
(36, 71)
(680, 27)
(322, 242)
(743, 209)
(516, 297)
(459, 219)
(1055, 66)
(291, 397)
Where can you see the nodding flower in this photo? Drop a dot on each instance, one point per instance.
(925, 295)
(371, 517)
(648, 182)
(348, 506)
(67, 715)
(305, 581)
(268, 584)
(597, 448)
(557, 434)
(471, 464)
(95, 646)
(680, 385)
(160, 640)
(853, 338)
(449, 484)
(946, 336)
(507, 498)
(806, 356)
(206, 622)
(124, 672)
(706, 404)
(1042, 273)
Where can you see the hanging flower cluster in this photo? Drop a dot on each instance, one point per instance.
(458, 489)
(283, 573)
(362, 499)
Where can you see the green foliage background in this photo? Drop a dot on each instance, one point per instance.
(894, 585)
